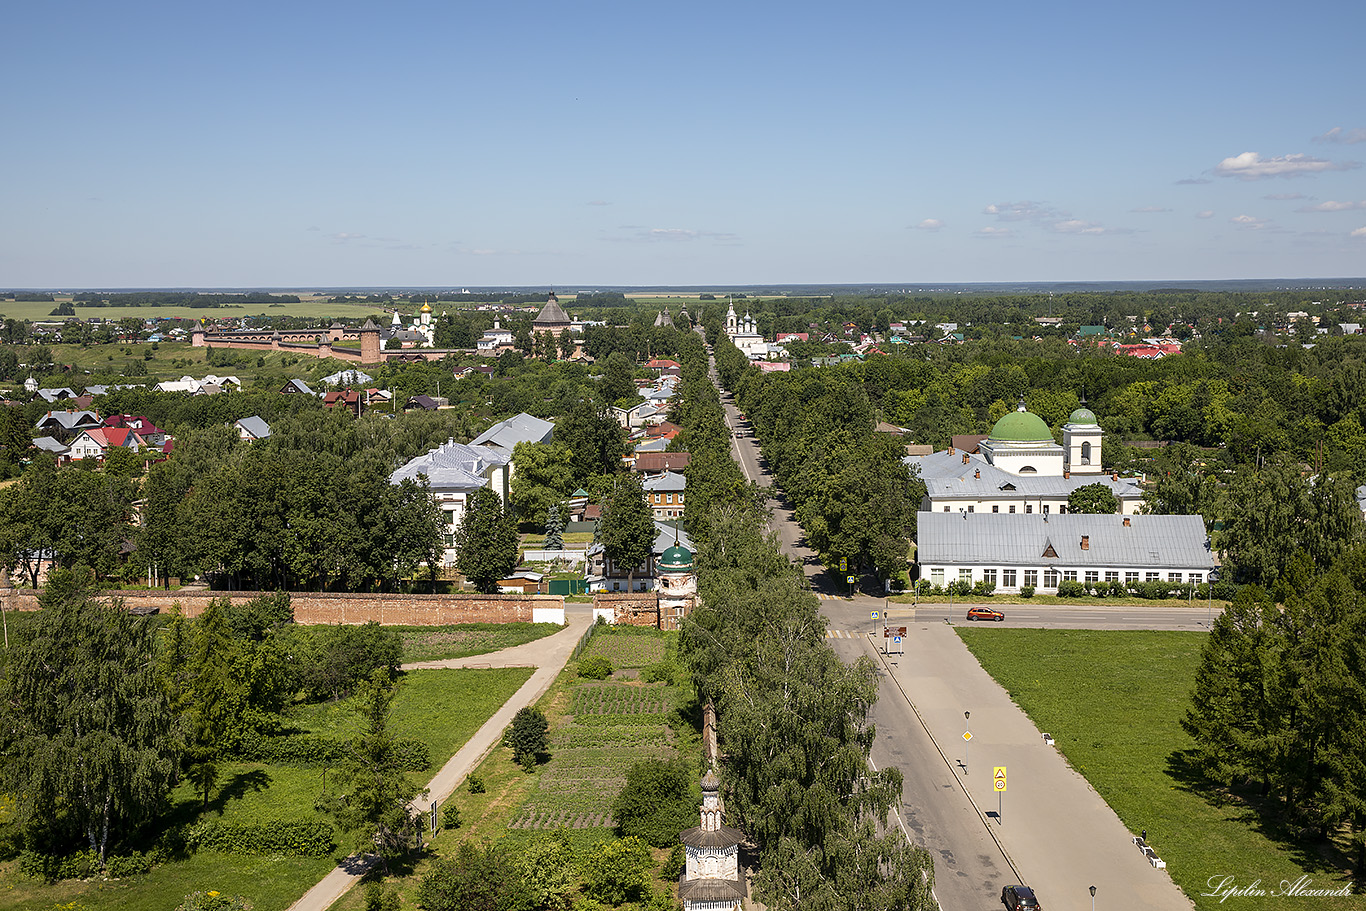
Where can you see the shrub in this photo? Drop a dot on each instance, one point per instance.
(673, 866)
(527, 736)
(1225, 591)
(278, 836)
(1071, 588)
(347, 655)
(132, 865)
(475, 784)
(213, 901)
(475, 876)
(1117, 589)
(378, 898)
(656, 802)
(53, 867)
(665, 672)
(1026, 591)
(984, 589)
(450, 818)
(597, 667)
(618, 871)
(318, 749)
(923, 587)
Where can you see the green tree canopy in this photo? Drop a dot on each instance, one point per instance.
(1093, 498)
(486, 541)
(627, 531)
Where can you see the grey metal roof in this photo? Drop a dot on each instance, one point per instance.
(256, 426)
(51, 445)
(669, 481)
(70, 420)
(666, 536)
(945, 475)
(1019, 539)
(352, 377)
(452, 466)
(520, 428)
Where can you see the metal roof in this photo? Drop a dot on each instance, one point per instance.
(945, 475)
(520, 428)
(1020, 539)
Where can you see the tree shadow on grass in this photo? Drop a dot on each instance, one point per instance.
(1244, 806)
(186, 812)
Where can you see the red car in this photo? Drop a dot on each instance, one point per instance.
(985, 613)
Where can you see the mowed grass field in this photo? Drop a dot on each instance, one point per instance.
(309, 307)
(1114, 702)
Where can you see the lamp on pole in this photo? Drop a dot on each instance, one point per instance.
(1093, 898)
(967, 739)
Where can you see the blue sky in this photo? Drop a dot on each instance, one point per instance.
(301, 144)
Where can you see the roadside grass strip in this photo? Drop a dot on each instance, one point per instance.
(1113, 701)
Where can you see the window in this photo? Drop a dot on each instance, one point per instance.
(668, 498)
(995, 509)
(1012, 509)
(1152, 577)
(946, 509)
(1069, 575)
(970, 508)
(1173, 577)
(989, 575)
(1130, 578)
(937, 577)
(1197, 578)
(1045, 509)
(1031, 577)
(965, 575)
(1050, 578)
(1111, 575)
(1092, 577)
(1029, 507)
(1086, 453)
(1028, 469)
(1008, 578)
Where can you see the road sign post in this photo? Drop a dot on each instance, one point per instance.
(876, 616)
(998, 782)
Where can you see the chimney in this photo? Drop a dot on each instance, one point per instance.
(950, 450)
(1067, 474)
(1114, 476)
(1085, 542)
(977, 474)
(1126, 521)
(965, 458)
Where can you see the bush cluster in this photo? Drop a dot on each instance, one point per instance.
(51, 867)
(302, 839)
(597, 667)
(412, 754)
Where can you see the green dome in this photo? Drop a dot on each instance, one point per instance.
(1021, 427)
(675, 559)
(1082, 416)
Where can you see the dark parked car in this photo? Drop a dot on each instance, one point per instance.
(1019, 898)
(985, 613)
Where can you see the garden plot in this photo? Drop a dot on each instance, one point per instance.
(634, 649)
(611, 726)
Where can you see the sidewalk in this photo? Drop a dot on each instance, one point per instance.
(1056, 832)
(548, 656)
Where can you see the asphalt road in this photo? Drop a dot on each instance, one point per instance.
(1056, 834)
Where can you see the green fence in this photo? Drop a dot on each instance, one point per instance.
(568, 586)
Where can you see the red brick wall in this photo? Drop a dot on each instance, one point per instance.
(633, 609)
(326, 607)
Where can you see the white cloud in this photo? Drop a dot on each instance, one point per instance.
(1206, 213)
(1251, 166)
(672, 234)
(1339, 135)
(1331, 206)
(1023, 211)
(1359, 232)
(993, 232)
(1283, 197)
(1251, 222)
(930, 224)
(1148, 209)
(1077, 226)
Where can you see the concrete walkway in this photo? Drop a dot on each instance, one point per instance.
(548, 656)
(1056, 832)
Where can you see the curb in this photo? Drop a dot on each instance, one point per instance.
(882, 659)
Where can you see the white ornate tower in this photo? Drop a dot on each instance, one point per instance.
(711, 881)
(732, 321)
(1081, 440)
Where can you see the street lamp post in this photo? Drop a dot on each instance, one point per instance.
(967, 741)
(1093, 898)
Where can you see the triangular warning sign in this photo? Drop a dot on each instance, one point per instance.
(1000, 772)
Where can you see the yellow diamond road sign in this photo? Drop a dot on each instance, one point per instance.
(967, 735)
(999, 777)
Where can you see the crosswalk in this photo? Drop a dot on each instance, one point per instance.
(844, 634)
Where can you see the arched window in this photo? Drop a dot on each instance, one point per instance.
(1028, 469)
(1086, 453)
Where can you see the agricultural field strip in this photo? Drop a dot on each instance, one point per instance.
(626, 651)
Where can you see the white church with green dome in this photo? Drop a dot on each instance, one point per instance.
(1020, 468)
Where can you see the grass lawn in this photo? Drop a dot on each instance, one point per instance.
(435, 643)
(577, 785)
(1114, 701)
(441, 707)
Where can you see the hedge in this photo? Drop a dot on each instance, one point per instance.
(279, 836)
(318, 749)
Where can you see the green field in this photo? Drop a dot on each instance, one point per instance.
(1114, 701)
(441, 707)
(436, 643)
(308, 308)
